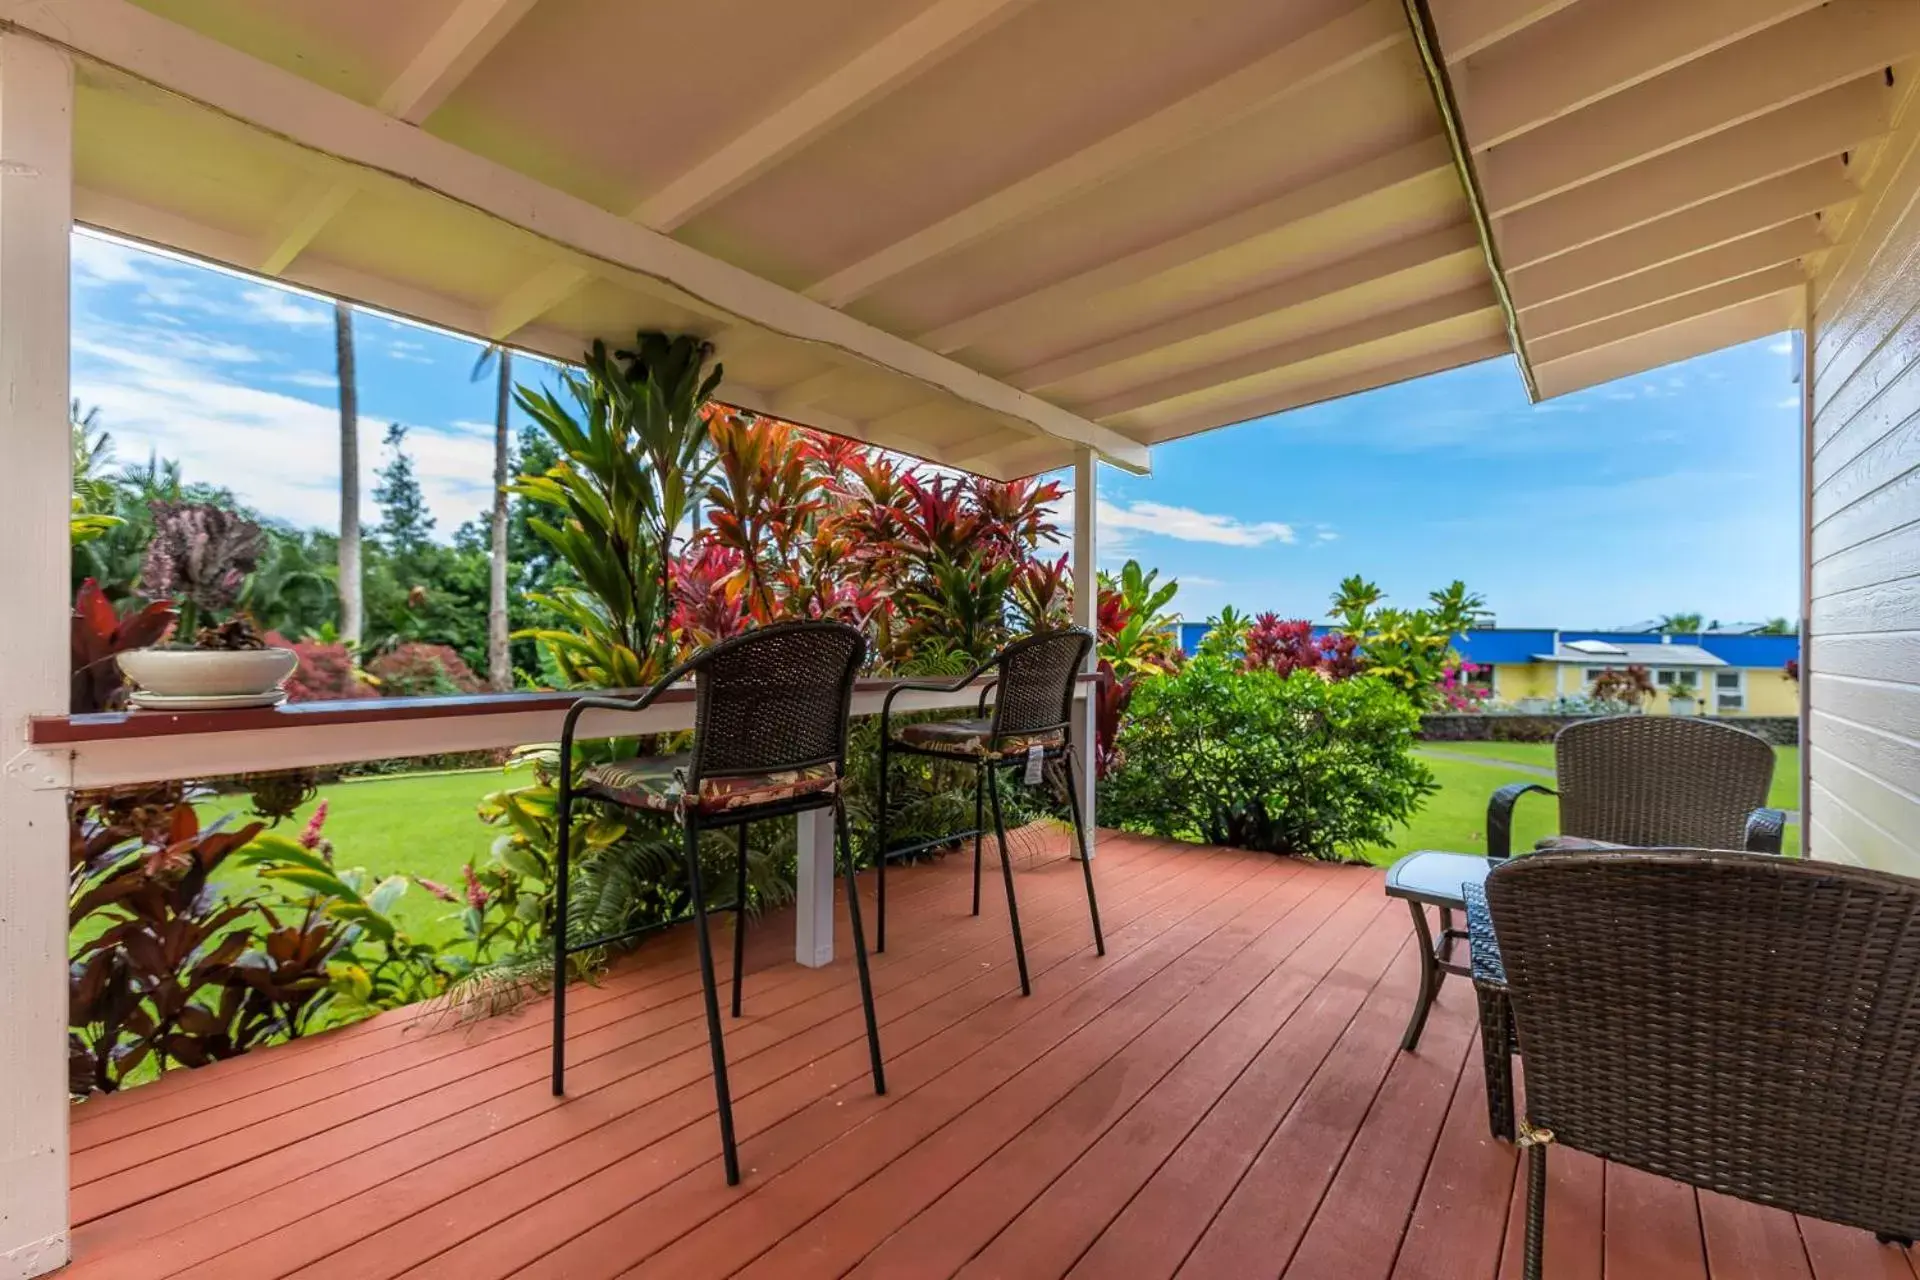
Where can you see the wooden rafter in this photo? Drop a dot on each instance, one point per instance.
(1324, 197)
(1324, 53)
(1367, 268)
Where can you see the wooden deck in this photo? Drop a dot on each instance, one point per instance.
(1220, 1096)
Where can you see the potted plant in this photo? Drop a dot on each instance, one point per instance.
(1680, 694)
(200, 557)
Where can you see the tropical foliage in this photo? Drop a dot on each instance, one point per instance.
(1254, 759)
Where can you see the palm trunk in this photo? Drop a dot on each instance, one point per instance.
(349, 475)
(499, 658)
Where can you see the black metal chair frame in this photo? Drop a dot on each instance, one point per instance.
(694, 822)
(987, 767)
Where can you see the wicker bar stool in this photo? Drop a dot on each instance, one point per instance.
(1746, 1024)
(770, 741)
(1033, 705)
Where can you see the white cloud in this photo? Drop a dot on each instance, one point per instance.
(411, 352)
(283, 306)
(1782, 346)
(317, 381)
(1187, 525)
(98, 261)
(279, 453)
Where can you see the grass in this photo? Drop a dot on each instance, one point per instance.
(1456, 817)
(425, 824)
(415, 825)
(1785, 793)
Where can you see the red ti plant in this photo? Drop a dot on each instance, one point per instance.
(1285, 647)
(152, 983)
(99, 632)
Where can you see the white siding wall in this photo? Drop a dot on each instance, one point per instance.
(1864, 663)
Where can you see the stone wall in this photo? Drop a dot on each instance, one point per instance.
(1782, 731)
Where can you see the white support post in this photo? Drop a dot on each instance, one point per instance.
(1806, 338)
(36, 218)
(813, 877)
(1086, 613)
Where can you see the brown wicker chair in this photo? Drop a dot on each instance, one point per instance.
(769, 741)
(1746, 1024)
(1651, 782)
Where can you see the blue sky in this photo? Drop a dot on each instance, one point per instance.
(1673, 491)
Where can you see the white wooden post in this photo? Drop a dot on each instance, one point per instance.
(36, 218)
(1086, 613)
(813, 889)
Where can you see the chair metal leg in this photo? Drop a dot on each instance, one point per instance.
(880, 854)
(1430, 975)
(979, 824)
(1006, 871)
(1086, 861)
(860, 946)
(723, 1096)
(740, 919)
(565, 817)
(1536, 1208)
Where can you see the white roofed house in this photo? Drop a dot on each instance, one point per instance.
(1006, 236)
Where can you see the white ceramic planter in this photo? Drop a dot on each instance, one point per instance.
(208, 673)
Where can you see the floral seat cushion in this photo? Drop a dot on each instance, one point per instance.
(975, 738)
(660, 782)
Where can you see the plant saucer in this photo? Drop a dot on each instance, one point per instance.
(148, 701)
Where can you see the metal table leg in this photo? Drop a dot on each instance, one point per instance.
(1430, 976)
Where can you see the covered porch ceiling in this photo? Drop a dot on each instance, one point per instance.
(991, 233)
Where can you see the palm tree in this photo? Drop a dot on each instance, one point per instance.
(349, 475)
(1682, 624)
(499, 656)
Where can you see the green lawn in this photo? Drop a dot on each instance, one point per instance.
(425, 825)
(418, 825)
(1785, 793)
(1456, 817)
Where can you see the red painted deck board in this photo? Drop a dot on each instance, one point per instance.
(1221, 1095)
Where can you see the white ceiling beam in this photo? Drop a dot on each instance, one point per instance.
(1736, 214)
(1382, 262)
(1773, 144)
(916, 45)
(978, 449)
(800, 396)
(304, 217)
(1381, 327)
(177, 234)
(1711, 332)
(1269, 403)
(1797, 59)
(1468, 26)
(1324, 197)
(1320, 55)
(877, 70)
(470, 32)
(1631, 324)
(183, 62)
(1589, 51)
(1788, 242)
(455, 48)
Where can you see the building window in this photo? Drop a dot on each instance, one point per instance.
(1674, 680)
(1729, 691)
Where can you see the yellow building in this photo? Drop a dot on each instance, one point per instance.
(1716, 674)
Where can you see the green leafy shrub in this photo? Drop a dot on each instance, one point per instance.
(1254, 760)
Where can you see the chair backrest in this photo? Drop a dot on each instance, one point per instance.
(1660, 781)
(1737, 1021)
(776, 698)
(1036, 675)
